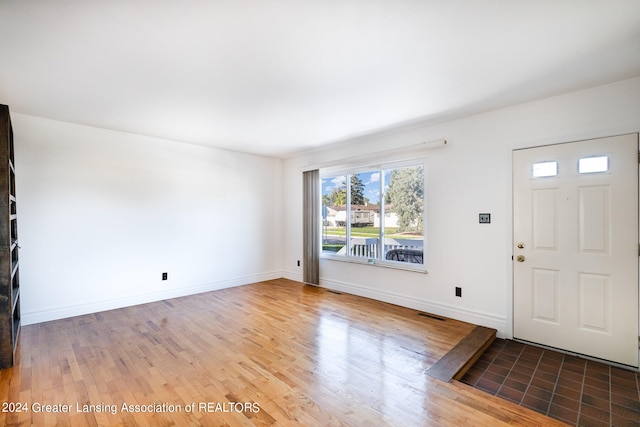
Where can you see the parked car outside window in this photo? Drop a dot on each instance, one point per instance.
(413, 256)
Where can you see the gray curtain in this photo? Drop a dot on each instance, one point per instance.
(311, 227)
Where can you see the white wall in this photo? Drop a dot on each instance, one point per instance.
(102, 214)
(472, 174)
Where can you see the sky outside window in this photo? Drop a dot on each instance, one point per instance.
(371, 181)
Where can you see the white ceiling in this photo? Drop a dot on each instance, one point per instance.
(275, 77)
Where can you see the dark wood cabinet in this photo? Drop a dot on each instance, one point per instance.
(9, 265)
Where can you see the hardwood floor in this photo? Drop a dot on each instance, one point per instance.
(270, 353)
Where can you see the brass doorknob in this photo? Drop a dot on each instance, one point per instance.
(520, 258)
(520, 245)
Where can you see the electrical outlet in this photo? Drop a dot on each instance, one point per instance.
(485, 218)
(458, 291)
(164, 276)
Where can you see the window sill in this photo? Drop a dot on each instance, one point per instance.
(416, 268)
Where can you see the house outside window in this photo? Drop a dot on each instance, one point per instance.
(375, 215)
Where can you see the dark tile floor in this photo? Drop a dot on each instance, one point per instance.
(577, 391)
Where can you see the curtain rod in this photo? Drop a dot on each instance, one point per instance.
(390, 154)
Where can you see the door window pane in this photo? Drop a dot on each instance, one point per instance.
(593, 164)
(544, 169)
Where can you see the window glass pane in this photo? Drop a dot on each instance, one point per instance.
(334, 201)
(404, 215)
(544, 169)
(364, 213)
(593, 164)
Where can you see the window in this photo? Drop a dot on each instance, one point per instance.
(593, 164)
(544, 169)
(375, 215)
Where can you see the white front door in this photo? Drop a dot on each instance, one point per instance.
(576, 247)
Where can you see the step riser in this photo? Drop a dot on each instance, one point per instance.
(460, 358)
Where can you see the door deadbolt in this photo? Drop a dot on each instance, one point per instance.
(520, 258)
(520, 245)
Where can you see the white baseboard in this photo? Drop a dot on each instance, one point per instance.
(30, 318)
(476, 317)
(292, 275)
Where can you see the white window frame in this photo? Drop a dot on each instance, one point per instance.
(379, 167)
